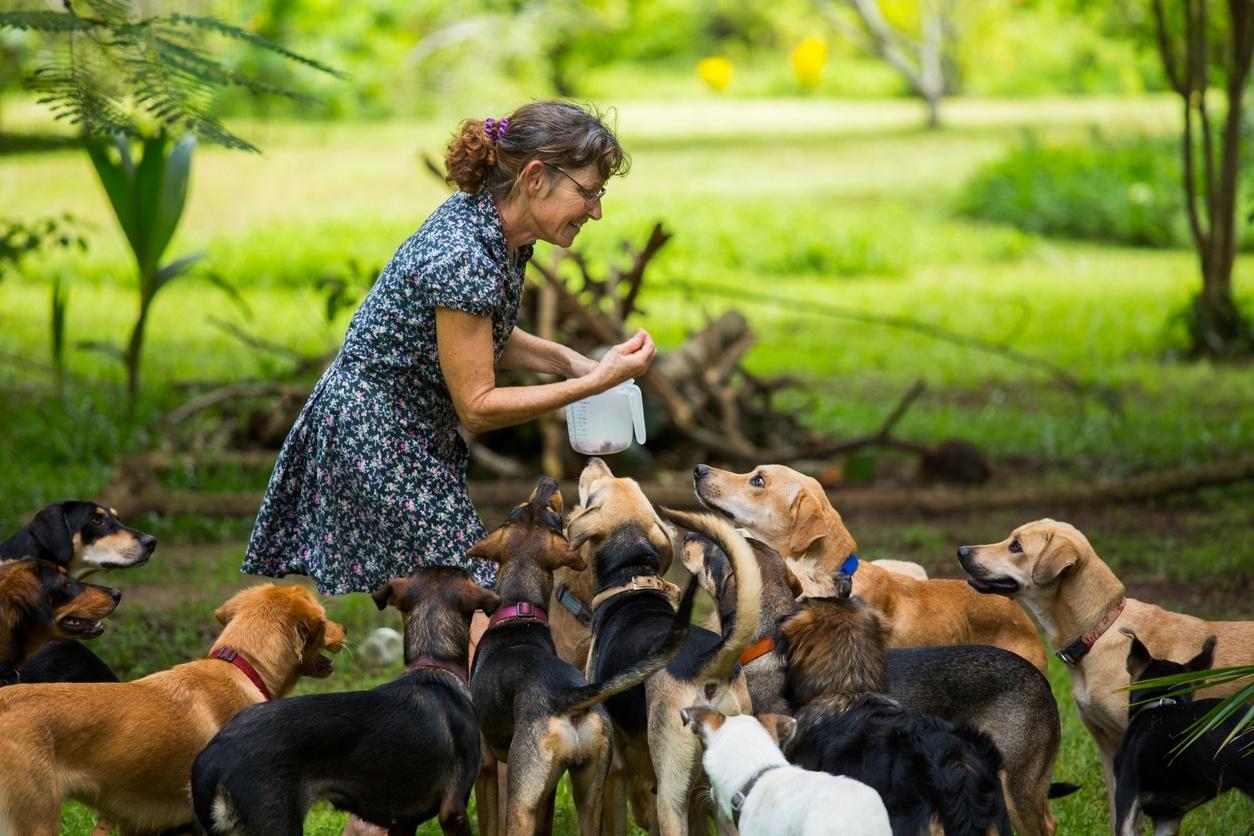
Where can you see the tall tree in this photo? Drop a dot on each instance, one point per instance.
(1200, 48)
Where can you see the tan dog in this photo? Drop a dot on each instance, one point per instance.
(627, 544)
(1051, 569)
(790, 512)
(127, 748)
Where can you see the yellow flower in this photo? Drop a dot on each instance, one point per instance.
(716, 72)
(808, 58)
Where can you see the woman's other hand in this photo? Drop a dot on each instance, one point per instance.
(629, 359)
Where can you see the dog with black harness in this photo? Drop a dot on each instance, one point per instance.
(1152, 775)
(395, 756)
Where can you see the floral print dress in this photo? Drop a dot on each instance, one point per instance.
(371, 481)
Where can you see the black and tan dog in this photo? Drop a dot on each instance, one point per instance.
(396, 755)
(632, 615)
(535, 710)
(1151, 776)
(993, 690)
(929, 772)
(41, 602)
(126, 748)
(79, 535)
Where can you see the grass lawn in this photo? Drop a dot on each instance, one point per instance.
(815, 203)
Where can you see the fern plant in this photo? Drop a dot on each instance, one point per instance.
(148, 85)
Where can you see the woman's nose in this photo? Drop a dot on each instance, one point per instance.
(595, 211)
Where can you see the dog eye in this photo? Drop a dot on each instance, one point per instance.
(758, 480)
(98, 520)
(1015, 547)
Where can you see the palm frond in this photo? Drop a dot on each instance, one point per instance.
(44, 22)
(229, 31)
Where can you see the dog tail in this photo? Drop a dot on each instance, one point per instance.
(1060, 789)
(748, 587)
(581, 699)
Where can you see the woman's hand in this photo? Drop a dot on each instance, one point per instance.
(627, 360)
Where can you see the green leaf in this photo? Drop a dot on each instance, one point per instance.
(149, 183)
(118, 180)
(173, 270)
(44, 22)
(218, 281)
(229, 31)
(173, 195)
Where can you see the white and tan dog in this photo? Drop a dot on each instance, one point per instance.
(1053, 571)
(791, 513)
(755, 787)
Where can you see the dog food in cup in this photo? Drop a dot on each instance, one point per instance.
(604, 423)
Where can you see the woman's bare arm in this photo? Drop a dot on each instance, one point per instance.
(464, 342)
(527, 352)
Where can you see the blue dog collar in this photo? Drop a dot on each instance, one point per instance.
(850, 565)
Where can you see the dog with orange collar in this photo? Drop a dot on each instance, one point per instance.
(536, 711)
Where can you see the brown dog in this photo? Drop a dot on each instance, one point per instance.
(126, 748)
(632, 616)
(790, 512)
(1051, 569)
(41, 602)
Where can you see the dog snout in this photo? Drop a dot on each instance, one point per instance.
(700, 472)
(964, 552)
(115, 594)
(148, 542)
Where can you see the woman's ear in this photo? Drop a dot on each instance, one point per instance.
(532, 178)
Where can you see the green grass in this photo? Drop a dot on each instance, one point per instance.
(815, 202)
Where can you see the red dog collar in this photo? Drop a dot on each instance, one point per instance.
(230, 655)
(1073, 653)
(432, 662)
(523, 609)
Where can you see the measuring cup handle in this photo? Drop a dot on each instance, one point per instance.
(637, 411)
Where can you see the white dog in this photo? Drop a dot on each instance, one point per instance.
(755, 787)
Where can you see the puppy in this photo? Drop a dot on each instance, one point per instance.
(126, 748)
(790, 512)
(993, 690)
(535, 710)
(41, 602)
(755, 787)
(929, 772)
(632, 615)
(1150, 775)
(396, 755)
(79, 535)
(1051, 569)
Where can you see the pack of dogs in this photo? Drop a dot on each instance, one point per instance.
(824, 693)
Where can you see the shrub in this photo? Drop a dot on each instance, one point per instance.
(1125, 191)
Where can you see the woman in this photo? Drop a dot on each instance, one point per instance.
(371, 481)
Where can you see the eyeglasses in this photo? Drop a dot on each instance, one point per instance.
(588, 195)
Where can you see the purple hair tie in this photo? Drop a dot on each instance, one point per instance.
(495, 130)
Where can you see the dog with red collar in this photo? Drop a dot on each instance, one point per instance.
(753, 785)
(396, 755)
(536, 711)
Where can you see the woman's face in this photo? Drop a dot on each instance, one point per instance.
(561, 211)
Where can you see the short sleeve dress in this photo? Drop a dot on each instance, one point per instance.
(371, 481)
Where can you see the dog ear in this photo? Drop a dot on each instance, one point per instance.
(1059, 555)
(51, 531)
(582, 527)
(383, 595)
(794, 583)
(1205, 658)
(780, 727)
(1138, 655)
(475, 597)
(808, 524)
(489, 548)
(572, 560)
(225, 613)
(842, 585)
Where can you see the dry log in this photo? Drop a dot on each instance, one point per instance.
(504, 493)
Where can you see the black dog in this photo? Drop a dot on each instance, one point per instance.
(396, 755)
(65, 661)
(927, 770)
(1150, 777)
(79, 535)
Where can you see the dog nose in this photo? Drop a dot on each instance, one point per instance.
(700, 471)
(115, 594)
(964, 552)
(148, 542)
(690, 536)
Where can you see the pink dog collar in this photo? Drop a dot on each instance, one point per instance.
(523, 609)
